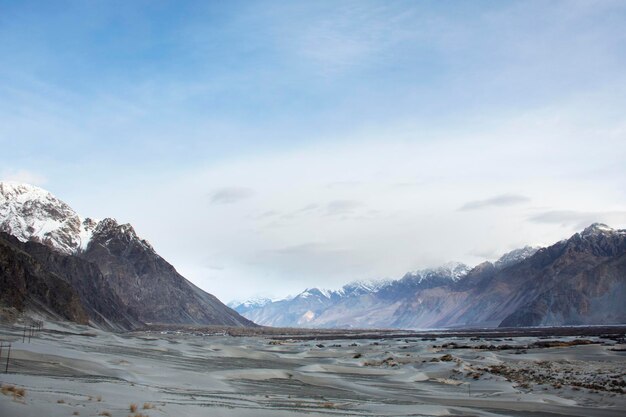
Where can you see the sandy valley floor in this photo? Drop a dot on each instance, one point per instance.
(73, 370)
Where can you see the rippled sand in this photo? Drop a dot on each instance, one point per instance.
(71, 369)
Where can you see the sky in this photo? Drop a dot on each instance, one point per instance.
(266, 147)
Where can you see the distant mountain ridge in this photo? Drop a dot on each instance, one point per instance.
(314, 306)
(577, 281)
(104, 260)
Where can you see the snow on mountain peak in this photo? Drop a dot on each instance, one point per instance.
(596, 229)
(362, 287)
(22, 192)
(312, 292)
(32, 213)
(109, 229)
(254, 302)
(515, 256)
(453, 270)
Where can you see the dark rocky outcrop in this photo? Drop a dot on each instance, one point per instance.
(578, 281)
(148, 284)
(28, 284)
(103, 306)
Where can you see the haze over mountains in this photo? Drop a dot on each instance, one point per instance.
(116, 279)
(56, 262)
(581, 280)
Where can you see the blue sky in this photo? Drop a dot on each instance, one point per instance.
(213, 120)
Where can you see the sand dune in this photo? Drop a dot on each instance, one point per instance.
(70, 369)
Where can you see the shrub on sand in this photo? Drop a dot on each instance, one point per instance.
(13, 390)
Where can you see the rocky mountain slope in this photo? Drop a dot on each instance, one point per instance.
(578, 281)
(581, 280)
(147, 283)
(26, 283)
(103, 304)
(106, 264)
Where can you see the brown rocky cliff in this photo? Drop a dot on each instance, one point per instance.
(27, 284)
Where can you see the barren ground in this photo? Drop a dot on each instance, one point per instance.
(75, 370)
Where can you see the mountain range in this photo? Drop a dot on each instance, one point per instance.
(55, 262)
(99, 272)
(577, 281)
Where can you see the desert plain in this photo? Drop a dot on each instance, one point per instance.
(72, 370)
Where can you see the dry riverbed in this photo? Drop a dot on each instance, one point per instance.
(71, 370)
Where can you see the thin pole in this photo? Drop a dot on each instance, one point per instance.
(6, 370)
(24, 337)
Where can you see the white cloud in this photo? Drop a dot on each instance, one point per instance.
(342, 207)
(230, 195)
(348, 36)
(25, 176)
(283, 239)
(496, 201)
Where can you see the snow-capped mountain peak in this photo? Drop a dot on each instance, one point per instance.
(515, 256)
(255, 302)
(315, 292)
(452, 270)
(32, 213)
(362, 287)
(596, 229)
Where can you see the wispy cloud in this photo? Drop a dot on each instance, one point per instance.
(347, 36)
(308, 208)
(231, 195)
(303, 248)
(485, 253)
(267, 214)
(23, 175)
(342, 207)
(497, 201)
(579, 219)
(303, 211)
(340, 184)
